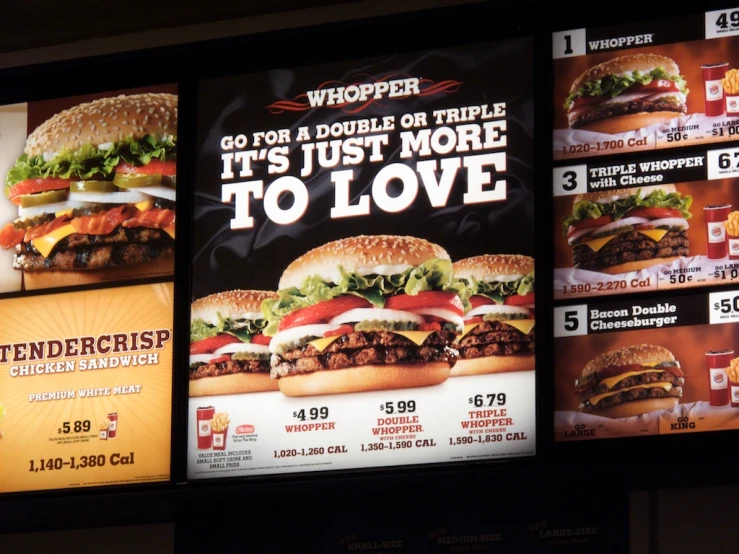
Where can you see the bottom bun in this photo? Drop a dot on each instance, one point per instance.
(630, 122)
(627, 267)
(236, 383)
(34, 280)
(638, 407)
(364, 378)
(492, 364)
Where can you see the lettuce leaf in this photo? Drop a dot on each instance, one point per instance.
(91, 161)
(434, 274)
(242, 329)
(613, 85)
(497, 291)
(618, 209)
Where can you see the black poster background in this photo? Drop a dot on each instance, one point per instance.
(226, 259)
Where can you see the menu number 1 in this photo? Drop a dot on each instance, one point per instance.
(566, 44)
(572, 179)
(571, 321)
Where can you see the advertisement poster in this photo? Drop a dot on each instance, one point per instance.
(363, 280)
(646, 367)
(646, 86)
(89, 189)
(86, 388)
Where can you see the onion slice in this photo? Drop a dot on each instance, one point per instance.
(201, 358)
(129, 197)
(446, 315)
(297, 333)
(242, 347)
(33, 211)
(497, 309)
(670, 222)
(379, 314)
(168, 193)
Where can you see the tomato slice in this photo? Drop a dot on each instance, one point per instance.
(323, 311)
(343, 330)
(663, 85)
(154, 167)
(478, 300)
(261, 339)
(588, 223)
(33, 233)
(654, 213)
(433, 326)
(31, 186)
(520, 299)
(212, 344)
(10, 236)
(219, 359)
(427, 299)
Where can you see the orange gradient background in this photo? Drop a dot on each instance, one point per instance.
(689, 57)
(688, 344)
(144, 420)
(704, 193)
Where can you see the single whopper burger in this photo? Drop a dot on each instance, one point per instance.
(229, 354)
(626, 93)
(498, 331)
(631, 381)
(364, 313)
(95, 190)
(617, 231)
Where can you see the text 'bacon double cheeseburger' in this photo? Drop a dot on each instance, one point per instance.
(364, 313)
(627, 93)
(229, 354)
(95, 190)
(499, 325)
(617, 231)
(630, 381)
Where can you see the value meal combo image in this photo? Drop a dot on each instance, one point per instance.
(363, 288)
(90, 189)
(647, 96)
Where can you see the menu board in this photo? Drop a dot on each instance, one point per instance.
(86, 292)
(363, 279)
(635, 214)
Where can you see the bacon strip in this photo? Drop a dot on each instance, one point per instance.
(156, 218)
(10, 236)
(45, 228)
(102, 223)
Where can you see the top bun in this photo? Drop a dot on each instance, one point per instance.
(626, 64)
(489, 267)
(229, 303)
(631, 355)
(364, 254)
(667, 188)
(106, 120)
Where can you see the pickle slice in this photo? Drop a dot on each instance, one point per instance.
(93, 186)
(23, 224)
(169, 181)
(131, 180)
(48, 197)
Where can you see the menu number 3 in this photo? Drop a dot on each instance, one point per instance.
(571, 321)
(572, 179)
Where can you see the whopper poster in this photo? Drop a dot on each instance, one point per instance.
(86, 374)
(363, 272)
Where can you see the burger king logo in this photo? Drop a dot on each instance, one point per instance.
(735, 247)
(713, 89)
(716, 231)
(718, 378)
(245, 430)
(204, 425)
(732, 104)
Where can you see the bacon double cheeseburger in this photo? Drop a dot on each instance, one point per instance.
(229, 354)
(95, 190)
(498, 331)
(630, 381)
(626, 93)
(364, 313)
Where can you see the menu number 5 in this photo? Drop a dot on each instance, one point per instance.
(572, 179)
(566, 44)
(721, 23)
(571, 321)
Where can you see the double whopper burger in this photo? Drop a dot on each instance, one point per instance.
(364, 313)
(499, 324)
(95, 190)
(229, 354)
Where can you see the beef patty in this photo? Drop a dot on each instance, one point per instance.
(606, 110)
(633, 394)
(495, 338)
(228, 368)
(590, 388)
(630, 247)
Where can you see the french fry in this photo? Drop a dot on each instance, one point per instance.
(732, 224)
(220, 422)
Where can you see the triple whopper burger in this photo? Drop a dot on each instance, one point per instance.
(630, 381)
(364, 313)
(498, 331)
(229, 354)
(95, 190)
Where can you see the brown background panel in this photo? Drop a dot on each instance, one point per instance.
(688, 344)
(704, 193)
(40, 111)
(689, 57)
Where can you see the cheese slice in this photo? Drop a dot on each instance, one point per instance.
(169, 230)
(598, 397)
(46, 243)
(610, 382)
(523, 325)
(596, 244)
(415, 336)
(322, 343)
(654, 234)
(63, 213)
(467, 328)
(145, 206)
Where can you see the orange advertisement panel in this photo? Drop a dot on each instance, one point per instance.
(86, 388)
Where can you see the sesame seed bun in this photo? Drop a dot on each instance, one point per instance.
(236, 383)
(639, 354)
(599, 195)
(490, 266)
(106, 120)
(493, 364)
(354, 254)
(624, 64)
(228, 303)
